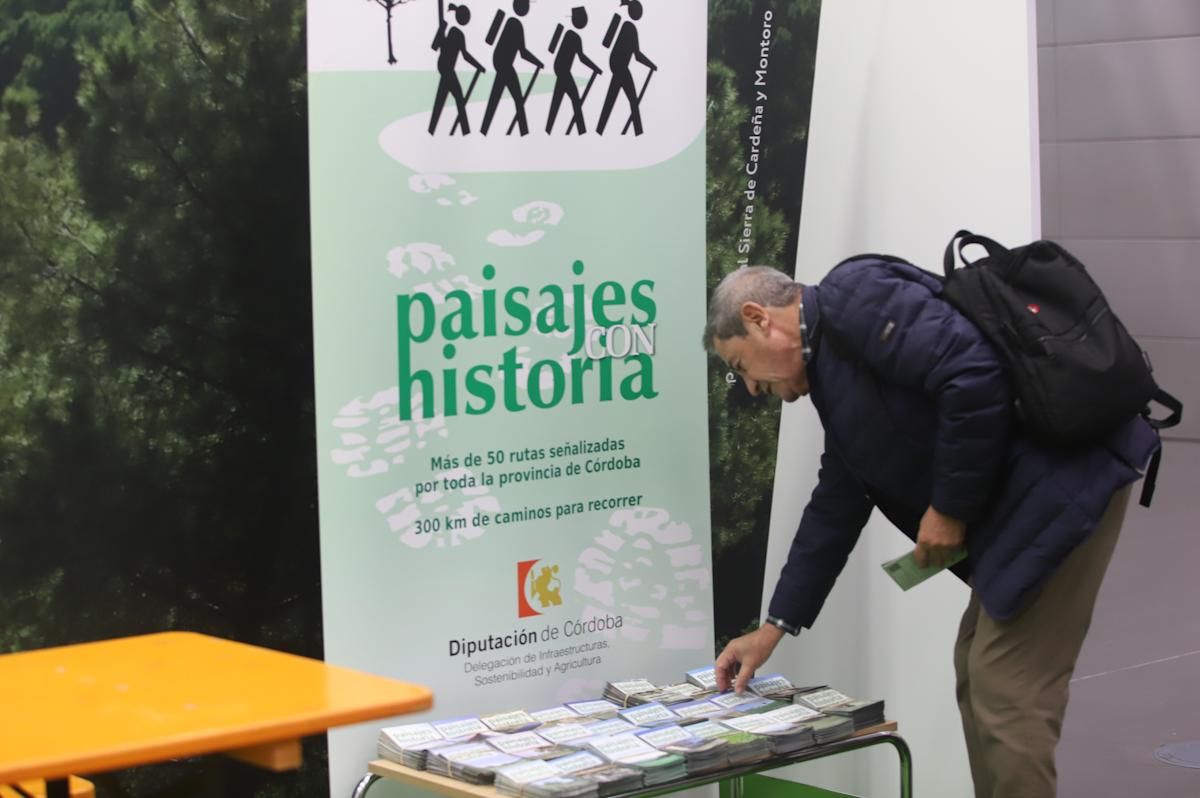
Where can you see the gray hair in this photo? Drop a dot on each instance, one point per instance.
(768, 287)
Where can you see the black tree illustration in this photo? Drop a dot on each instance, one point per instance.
(389, 5)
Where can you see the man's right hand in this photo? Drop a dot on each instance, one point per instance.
(743, 655)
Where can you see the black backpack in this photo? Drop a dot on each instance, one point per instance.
(1076, 373)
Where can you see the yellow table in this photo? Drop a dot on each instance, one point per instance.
(119, 703)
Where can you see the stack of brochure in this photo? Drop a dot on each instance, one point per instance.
(526, 745)
(628, 749)
(537, 779)
(615, 779)
(792, 713)
(861, 713)
(823, 729)
(741, 748)
(578, 762)
(599, 709)
(461, 729)
(605, 728)
(671, 694)
(407, 744)
(782, 737)
(555, 787)
(609, 779)
(828, 728)
(776, 686)
(568, 733)
(705, 678)
(693, 711)
(474, 762)
(555, 714)
(759, 706)
(699, 755)
(648, 715)
(513, 721)
(623, 693)
(431, 752)
(739, 703)
(662, 769)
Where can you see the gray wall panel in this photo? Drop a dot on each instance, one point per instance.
(1045, 22)
(1123, 190)
(1047, 94)
(1115, 89)
(1115, 20)
(1051, 227)
(1129, 189)
(1153, 285)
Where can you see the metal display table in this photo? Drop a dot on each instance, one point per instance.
(882, 734)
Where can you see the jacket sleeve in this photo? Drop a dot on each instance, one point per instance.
(829, 528)
(893, 317)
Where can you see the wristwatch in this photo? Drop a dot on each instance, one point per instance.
(783, 625)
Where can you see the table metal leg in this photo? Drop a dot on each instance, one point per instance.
(880, 738)
(906, 775)
(364, 784)
(894, 741)
(902, 750)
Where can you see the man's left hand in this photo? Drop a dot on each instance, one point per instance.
(938, 537)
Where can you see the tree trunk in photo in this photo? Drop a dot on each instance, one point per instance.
(391, 55)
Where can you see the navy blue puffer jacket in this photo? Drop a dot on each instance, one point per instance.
(916, 410)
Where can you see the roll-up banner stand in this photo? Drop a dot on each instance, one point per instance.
(509, 270)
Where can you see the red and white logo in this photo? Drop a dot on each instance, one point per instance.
(539, 586)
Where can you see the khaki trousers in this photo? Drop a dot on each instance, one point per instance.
(1013, 677)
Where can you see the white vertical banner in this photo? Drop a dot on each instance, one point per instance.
(918, 130)
(508, 270)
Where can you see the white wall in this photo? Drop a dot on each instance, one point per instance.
(922, 123)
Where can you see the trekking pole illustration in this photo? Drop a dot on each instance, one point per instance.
(583, 100)
(623, 38)
(567, 48)
(508, 33)
(537, 70)
(641, 94)
(467, 97)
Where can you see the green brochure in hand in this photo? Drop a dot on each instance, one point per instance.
(906, 573)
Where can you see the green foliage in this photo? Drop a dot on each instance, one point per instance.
(734, 41)
(156, 321)
(157, 454)
(742, 438)
(38, 64)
